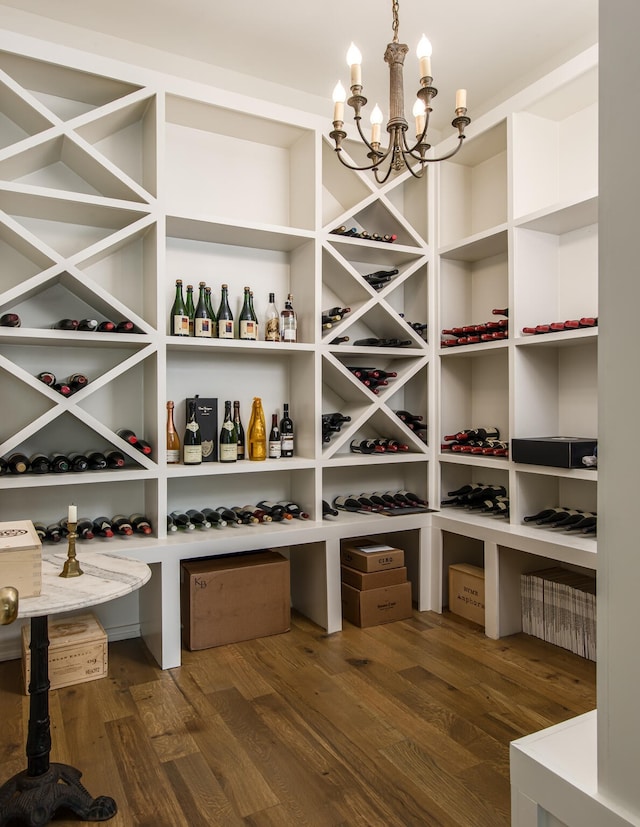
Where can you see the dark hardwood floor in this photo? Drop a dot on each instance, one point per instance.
(403, 724)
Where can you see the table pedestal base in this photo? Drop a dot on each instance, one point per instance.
(34, 800)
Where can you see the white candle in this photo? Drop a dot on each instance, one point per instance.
(376, 120)
(420, 115)
(424, 56)
(73, 514)
(461, 99)
(354, 59)
(339, 96)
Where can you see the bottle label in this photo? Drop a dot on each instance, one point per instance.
(202, 328)
(247, 329)
(225, 329)
(192, 426)
(192, 454)
(228, 453)
(286, 443)
(180, 325)
(275, 450)
(173, 456)
(288, 332)
(228, 425)
(272, 331)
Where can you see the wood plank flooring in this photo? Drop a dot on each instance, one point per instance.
(398, 725)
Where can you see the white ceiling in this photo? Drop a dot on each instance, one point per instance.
(491, 48)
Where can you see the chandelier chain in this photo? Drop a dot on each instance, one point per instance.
(396, 21)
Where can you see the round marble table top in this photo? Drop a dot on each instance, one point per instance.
(106, 576)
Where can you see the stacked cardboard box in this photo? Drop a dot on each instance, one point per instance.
(559, 606)
(375, 588)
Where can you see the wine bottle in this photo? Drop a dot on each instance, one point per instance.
(368, 504)
(260, 514)
(573, 516)
(349, 503)
(253, 315)
(246, 515)
(272, 321)
(198, 518)
(229, 516)
(88, 325)
(286, 433)
(490, 432)
(387, 498)
(336, 313)
(62, 388)
(10, 320)
(335, 418)
(182, 521)
(40, 464)
(140, 524)
(414, 499)
(294, 510)
(173, 440)
(143, 446)
(228, 437)
(84, 528)
(275, 445)
(78, 462)
(59, 463)
(171, 526)
(339, 230)
(214, 518)
(125, 326)
(586, 522)
(66, 324)
(114, 459)
(77, 381)
(41, 531)
(247, 324)
(128, 435)
(102, 527)
(392, 445)
(225, 316)
(54, 533)
(365, 446)
(459, 492)
(276, 511)
(541, 515)
(211, 312)
(97, 461)
(202, 322)
(47, 377)
(179, 317)
(106, 327)
(338, 340)
(192, 442)
(237, 421)
(541, 328)
(328, 511)
(497, 311)
(257, 437)
(18, 463)
(121, 525)
(288, 322)
(190, 309)
(557, 514)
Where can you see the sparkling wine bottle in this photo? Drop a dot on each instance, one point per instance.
(179, 317)
(211, 312)
(202, 322)
(173, 440)
(190, 309)
(192, 442)
(225, 316)
(237, 421)
(228, 437)
(257, 435)
(247, 327)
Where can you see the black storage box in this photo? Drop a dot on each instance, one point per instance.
(207, 413)
(559, 451)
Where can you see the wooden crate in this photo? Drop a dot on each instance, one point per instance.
(21, 558)
(77, 651)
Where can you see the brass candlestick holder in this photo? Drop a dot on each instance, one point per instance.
(71, 566)
(8, 605)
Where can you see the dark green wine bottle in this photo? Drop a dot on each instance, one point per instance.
(192, 442)
(211, 312)
(228, 437)
(247, 324)
(179, 318)
(190, 309)
(225, 316)
(202, 320)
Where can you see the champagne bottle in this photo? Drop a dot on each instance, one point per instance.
(272, 321)
(237, 421)
(201, 320)
(18, 463)
(192, 442)
(288, 322)
(214, 518)
(275, 445)
(286, 433)
(190, 309)
(173, 440)
(106, 327)
(128, 435)
(115, 459)
(253, 315)
(182, 521)
(247, 327)
(40, 464)
(97, 461)
(228, 437)
(328, 511)
(88, 325)
(140, 524)
(102, 527)
(257, 439)
(225, 316)
(10, 320)
(211, 312)
(121, 525)
(179, 317)
(66, 324)
(198, 518)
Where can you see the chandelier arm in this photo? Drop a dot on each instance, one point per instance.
(344, 163)
(449, 154)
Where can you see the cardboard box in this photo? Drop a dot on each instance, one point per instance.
(367, 555)
(466, 591)
(375, 606)
(239, 597)
(374, 579)
(21, 558)
(207, 413)
(77, 651)
(558, 451)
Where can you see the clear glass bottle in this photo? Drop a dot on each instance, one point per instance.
(288, 322)
(173, 440)
(272, 321)
(225, 316)
(257, 432)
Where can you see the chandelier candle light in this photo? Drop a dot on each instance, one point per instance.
(400, 153)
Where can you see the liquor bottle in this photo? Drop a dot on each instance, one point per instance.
(121, 525)
(237, 421)
(97, 461)
(125, 326)
(114, 459)
(260, 514)
(288, 322)
(286, 433)
(214, 518)
(190, 309)
(192, 442)
(143, 446)
(54, 533)
(211, 312)
(59, 463)
(140, 523)
(365, 446)
(40, 464)
(66, 324)
(349, 503)
(128, 435)
(294, 510)
(182, 521)
(275, 445)
(18, 463)
(47, 377)
(247, 327)
(84, 528)
(276, 511)
(77, 381)
(79, 462)
(10, 320)
(106, 327)
(173, 440)
(179, 317)
(197, 518)
(245, 514)
(327, 511)
(272, 321)
(88, 325)
(225, 316)
(254, 316)
(229, 516)
(228, 437)
(62, 388)
(102, 527)
(257, 434)
(201, 320)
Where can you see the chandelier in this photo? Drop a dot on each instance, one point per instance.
(400, 153)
